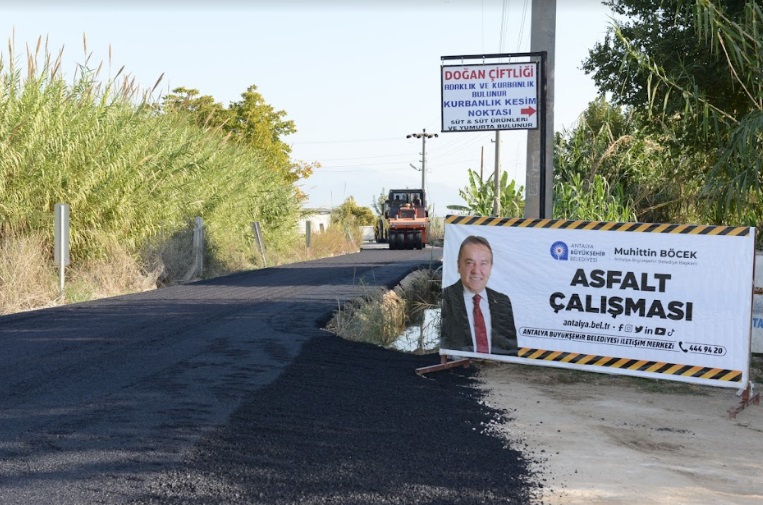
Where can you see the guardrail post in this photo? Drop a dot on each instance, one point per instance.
(258, 240)
(198, 246)
(197, 268)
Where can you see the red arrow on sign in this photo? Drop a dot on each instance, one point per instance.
(529, 111)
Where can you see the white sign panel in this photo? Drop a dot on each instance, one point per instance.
(661, 301)
(490, 97)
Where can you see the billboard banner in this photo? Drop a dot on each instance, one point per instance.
(661, 301)
(490, 97)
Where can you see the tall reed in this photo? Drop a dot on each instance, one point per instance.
(130, 173)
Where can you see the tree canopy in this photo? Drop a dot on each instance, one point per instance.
(689, 73)
(663, 35)
(250, 121)
(350, 214)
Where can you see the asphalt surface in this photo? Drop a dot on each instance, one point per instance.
(228, 391)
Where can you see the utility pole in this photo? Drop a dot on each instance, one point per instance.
(539, 194)
(482, 161)
(423, 136)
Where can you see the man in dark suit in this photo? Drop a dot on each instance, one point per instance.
(483, 323)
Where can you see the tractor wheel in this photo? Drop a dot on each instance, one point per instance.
(410, 241)
(395, 239)
(400, 240)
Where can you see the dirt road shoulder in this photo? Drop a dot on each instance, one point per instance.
(602, 439)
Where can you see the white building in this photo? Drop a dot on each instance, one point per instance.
(320, 219)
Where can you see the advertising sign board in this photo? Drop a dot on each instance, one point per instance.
(490, 97)
(661, 301)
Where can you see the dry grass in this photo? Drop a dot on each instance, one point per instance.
(381, 316)
(28, 279)
(377, 318)
(172, 258)
(333, 242)
(436, 230)
(116, 274)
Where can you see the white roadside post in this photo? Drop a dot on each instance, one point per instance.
(61, 242)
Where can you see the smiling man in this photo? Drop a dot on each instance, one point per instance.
(476, 318)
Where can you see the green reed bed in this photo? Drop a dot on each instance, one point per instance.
(132, 175)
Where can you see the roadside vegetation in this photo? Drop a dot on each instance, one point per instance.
(136, 172)
(382, 315)
(676, 135)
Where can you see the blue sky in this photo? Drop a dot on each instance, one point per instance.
(355, 77)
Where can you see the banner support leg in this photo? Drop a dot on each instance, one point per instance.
(747, 399)
(444, 365)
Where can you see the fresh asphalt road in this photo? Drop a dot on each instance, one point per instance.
(228, 391)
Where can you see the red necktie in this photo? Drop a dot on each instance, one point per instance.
(479, 327)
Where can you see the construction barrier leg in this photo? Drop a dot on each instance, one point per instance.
(747, 399)
(444, 365)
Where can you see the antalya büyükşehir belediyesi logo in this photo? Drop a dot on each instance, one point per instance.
(559, 251)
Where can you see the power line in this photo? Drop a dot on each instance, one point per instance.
(352, 141)
(522, 25)
(504, 24)
(365, 157)
(357, 166)
(464, 143)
